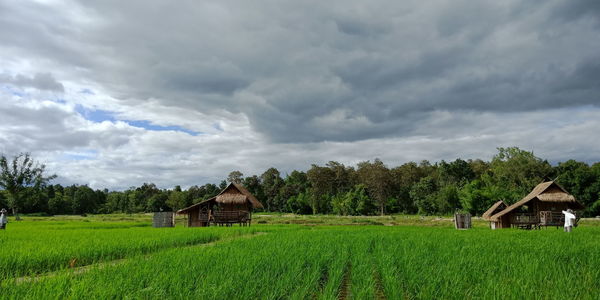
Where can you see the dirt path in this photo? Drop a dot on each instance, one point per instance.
(111, 263)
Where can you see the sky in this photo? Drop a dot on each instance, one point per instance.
(113, 94)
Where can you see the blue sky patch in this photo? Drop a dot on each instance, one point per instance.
(95, 115)
(98, 115)
(13, 91)
(149, 126)
(87, 91)
(81, 155)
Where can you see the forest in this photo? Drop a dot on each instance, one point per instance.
(369, 188)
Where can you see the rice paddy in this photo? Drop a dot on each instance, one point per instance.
(295, 262)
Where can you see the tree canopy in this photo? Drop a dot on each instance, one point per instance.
(369, 188)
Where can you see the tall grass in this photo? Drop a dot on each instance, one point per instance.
(28, 248)
(358, 262)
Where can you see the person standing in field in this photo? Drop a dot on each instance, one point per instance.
(569, 219)
(3, 219)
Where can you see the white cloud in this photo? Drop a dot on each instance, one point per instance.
(288, 84)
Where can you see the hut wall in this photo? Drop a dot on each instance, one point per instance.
(193, 220)
(552, 206)
(504, 221)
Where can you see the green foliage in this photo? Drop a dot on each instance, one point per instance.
(376, 177)
(423, 195)
(517, 171)
(424, 187)
(19, 175)
(353, 203)
(271, 183)
(235, 177)
(299, 204)
(476, 197)
(447, 199)
(177, 200)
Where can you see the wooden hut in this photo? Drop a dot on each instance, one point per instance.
(542, 207)
(232, 205)
(494, 209)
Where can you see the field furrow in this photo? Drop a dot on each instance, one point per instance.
(344, 291)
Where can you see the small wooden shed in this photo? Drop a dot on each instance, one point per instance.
(232, 205)
(543, 206)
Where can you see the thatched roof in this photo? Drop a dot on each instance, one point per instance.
(497, 206)
(556, 197)
(233, 194)
(255, 203)
(232, 199)
(548, 191)
(187, 209)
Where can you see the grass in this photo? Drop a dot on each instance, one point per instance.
(302, 262)
(31, 247)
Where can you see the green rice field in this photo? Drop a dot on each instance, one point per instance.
(114, 259)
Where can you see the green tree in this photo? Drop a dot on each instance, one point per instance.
(376, 177)
(235, 177)
(402, 179)
(344, 178)
(299, 204)
(57, 204)
(158, 202)
(578, 178)
(177, 199)
(354, 202)
(456, 172)
(517, 171)
(293, 185)
(271, 183)
(447, 199)
(254, 186)
(593, 208)
(321, 187)
(423, 194)
(476, 196)
(22, 172)
(222, 185)
(84, 200)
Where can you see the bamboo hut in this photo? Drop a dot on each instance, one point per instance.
(232, 205)
(542, 207)
(494, 209)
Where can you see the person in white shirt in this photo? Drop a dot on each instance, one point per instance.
(569, 220)
(3, 219)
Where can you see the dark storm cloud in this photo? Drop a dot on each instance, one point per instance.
(314, 71)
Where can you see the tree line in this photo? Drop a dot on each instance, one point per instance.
(369, 188)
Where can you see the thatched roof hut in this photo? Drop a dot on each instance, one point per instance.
(541, 207)
(234, 204)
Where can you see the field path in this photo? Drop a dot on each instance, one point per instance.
(110, 263)
(345, 292)
(379, 291)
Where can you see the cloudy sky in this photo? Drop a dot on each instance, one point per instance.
(117, 93)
